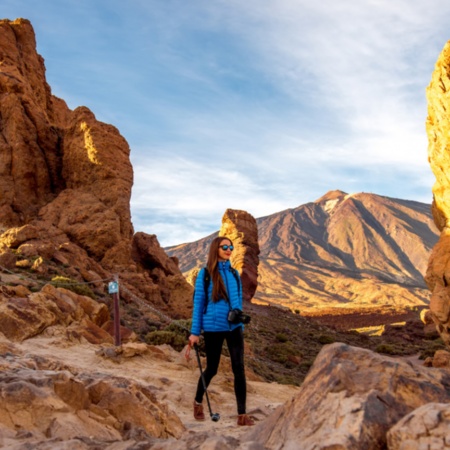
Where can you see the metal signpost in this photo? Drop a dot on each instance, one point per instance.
(113, 288)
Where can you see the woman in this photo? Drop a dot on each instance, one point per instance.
(210, 314)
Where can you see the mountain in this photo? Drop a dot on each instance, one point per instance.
(341, 254)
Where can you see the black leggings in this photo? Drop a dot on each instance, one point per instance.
(213, 346)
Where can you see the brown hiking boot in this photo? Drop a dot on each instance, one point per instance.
(245, 420)
(198, 411)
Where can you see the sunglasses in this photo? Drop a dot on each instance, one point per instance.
(226, 247)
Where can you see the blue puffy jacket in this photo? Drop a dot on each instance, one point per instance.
(216, 315)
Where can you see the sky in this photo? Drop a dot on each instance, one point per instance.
(255, 105)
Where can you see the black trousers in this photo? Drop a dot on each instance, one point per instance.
(213, 347)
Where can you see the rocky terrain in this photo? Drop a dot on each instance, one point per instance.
(64, 385)
(65, 234)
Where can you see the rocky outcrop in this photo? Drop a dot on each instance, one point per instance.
(59, 166)
(42, 400)
(438, 128)
(354, 398)
(241, 228)
(24, 314)
(65, 188)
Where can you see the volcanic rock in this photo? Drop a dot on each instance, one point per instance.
(241, 228)
(425, 427)
(438, 127)
(50, 402)
(27, 316)
(65, 188)
(351, 398)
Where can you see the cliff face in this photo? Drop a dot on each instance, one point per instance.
(65, 186)
(438, 129)
(58, 166)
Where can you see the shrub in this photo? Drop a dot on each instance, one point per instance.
(325, 339)
(306, 365)
(280, 352)
(72, 285)
(181, 327)
(431, 349)
(175, 335)
(386, 349)
(166, 337)
(281, 337)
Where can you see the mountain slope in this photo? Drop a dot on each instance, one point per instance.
(339, 254)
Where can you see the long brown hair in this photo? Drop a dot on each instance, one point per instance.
(219, 290)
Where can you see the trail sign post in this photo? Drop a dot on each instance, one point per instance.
(113, 288)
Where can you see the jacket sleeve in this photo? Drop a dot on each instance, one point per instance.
(199, 304)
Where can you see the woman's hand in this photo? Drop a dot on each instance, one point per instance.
(193, 340)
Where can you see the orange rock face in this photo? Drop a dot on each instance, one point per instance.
(241, 228)
(57, 165)
(438, 128)
(65, 187)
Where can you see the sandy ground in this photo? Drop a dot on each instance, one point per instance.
(172, 378)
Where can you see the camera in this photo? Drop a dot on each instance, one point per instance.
(237, 316)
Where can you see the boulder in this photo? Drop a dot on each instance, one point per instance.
(424, 428)
(351, 398)
(24, 317)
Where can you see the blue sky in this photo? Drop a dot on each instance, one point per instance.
(256, 105)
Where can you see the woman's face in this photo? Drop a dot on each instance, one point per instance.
(225, 249)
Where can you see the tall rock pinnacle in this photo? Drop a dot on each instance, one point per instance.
(438, 130)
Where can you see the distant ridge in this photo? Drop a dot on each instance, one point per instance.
(339, 254)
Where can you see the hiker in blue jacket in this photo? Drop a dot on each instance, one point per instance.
(210, 314)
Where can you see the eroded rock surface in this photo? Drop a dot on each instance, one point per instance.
(426, 427)
(65, 187)
(45, 401)
(438, 128)
(351, 398)
(241, 228)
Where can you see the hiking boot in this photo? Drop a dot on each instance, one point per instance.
(198, 411)
(245, 420)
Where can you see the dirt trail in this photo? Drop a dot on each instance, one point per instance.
(172, 379)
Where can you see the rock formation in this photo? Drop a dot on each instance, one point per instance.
(65, 188)
(43, 400)
(438, 128)
(241, 228)
(353, 398)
